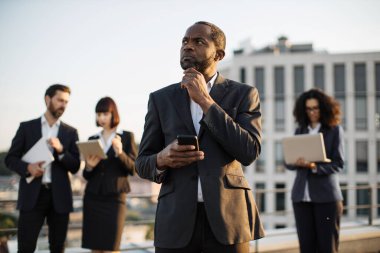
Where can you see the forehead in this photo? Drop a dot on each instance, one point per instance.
(61, 94)
(199, 31)
(312, 102)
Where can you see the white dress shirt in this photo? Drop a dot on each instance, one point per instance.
(47, 133)
(314, 130)
(196, 115)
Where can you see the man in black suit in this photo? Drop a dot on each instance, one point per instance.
(49, 194)
(205, 203)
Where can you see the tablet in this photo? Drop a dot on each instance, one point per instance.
(309, 146)
(91, 147)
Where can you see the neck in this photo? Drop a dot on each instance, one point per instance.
(313, 124)
(108, 131)
(209, 73)
(50, 118)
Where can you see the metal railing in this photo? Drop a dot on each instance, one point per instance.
(258, 194)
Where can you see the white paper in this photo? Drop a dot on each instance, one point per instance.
(38, 153)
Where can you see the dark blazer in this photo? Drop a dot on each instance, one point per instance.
(111, 174)
(324, 184)
(27, 135)
(230, 135)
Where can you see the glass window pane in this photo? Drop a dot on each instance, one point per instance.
(280, 168)
(280, 197)
(360, 113)
(260, 197)
(242, 74)
(339, 80)
(299, 80)
(260, 162)
(361, 156)
(319, 77)
(362, 198)
(259, 82)
(360, 79)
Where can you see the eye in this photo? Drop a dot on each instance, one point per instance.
(200, 42)
(184, 41)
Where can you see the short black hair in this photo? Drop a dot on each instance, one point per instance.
(53, 89)
(217, 34)
(107, 104)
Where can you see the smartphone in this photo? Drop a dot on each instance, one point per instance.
(188, 140)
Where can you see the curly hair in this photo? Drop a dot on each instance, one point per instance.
(329, 109)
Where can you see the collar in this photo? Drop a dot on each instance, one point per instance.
(117, 131)
(212, 80)
(315, 129)
(44, 121)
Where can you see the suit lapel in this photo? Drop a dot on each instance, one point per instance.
(218, 91)
(181, 101)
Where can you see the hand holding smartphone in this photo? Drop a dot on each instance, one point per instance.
(188, 140)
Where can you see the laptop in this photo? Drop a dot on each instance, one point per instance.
(309, 146)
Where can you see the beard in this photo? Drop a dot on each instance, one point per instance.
(200, 66)
(55, 112)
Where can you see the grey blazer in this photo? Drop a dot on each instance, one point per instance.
(324, 184)
(230, 135)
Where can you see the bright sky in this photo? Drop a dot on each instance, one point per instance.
(128, 48)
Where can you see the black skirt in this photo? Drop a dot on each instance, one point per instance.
(103, 221)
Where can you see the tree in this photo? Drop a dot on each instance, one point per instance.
(4, 171)
(6, 221)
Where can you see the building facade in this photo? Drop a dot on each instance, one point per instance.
(281, 72)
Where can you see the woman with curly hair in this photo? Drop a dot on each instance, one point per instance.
(316, 194)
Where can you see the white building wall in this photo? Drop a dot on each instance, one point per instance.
(270, 135)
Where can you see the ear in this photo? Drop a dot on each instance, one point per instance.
(47, 100)
(219, 55)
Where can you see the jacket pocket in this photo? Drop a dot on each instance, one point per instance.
(235, 181)
(166, 189)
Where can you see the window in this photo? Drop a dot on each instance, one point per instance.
(319, 77)
(361, 156)
(279, 86)
(259, 81)
(378, 199)
(378, 155)
(360, 96)
(260, 162)
(280, 197)
(377, 81)
(280, 168)
(299, 80)
(345, 197)
(362, 198)
(340, 89)
(260, 197)
(242, 75)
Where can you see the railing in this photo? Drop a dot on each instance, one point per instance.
(258, 194)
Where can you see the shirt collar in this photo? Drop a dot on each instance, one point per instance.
(44, 121)
(118, 131)
(315, 129)
(212, 80)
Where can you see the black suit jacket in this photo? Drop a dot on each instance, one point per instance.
(111, 174)
(324, 184)
(27, 135)
(230, 135)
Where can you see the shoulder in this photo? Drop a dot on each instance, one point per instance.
(68, 128)
(127, 134)
(31, 123)
(241, 90)
(166, 90)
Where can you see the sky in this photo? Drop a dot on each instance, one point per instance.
(127, 49)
